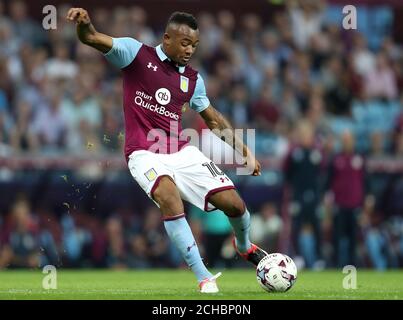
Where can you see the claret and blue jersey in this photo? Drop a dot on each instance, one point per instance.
(154, 92)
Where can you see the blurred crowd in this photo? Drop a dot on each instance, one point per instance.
(77, 240)
(322, 99)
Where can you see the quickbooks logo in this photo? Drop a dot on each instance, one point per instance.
(143, 100)
(163, 96)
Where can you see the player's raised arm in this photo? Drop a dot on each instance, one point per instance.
(118, 51)
(86, 31)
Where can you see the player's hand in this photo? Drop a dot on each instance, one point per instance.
(254, 165)
(79, 15)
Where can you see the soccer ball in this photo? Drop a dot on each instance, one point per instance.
(276, 272)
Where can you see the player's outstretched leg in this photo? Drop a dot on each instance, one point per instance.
(167, 196)
(233, 206)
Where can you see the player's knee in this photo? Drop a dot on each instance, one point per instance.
(236, 209)
(169, 201)
(165, 196)
(161, 196)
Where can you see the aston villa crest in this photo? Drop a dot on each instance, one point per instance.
(184, 85)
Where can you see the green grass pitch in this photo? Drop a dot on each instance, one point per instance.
(169, 284)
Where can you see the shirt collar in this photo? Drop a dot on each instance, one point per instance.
(164, 57)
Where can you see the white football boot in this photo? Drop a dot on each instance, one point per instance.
(209, 285)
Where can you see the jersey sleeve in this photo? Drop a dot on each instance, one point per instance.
(199, 100)
(123, 51)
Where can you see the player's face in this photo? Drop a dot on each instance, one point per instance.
(180, 43)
